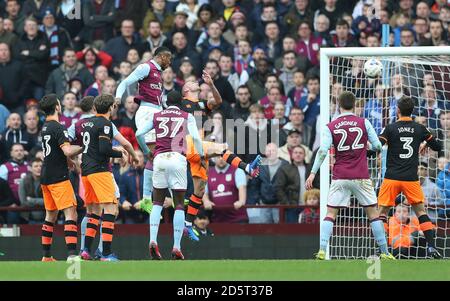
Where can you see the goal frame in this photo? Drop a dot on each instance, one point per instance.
(325, 55)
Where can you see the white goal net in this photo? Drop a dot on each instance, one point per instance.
(423, 74)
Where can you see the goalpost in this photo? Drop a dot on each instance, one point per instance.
(419, 72)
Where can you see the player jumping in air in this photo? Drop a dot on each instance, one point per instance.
(172, 125)
(200, 109)
(404, 139)
(349, 134)
(150, 89)
(76, 135)
(57, 190)
(97, 178)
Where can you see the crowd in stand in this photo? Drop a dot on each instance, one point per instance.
(263, 56)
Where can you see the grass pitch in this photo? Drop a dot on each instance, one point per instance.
(232, 270)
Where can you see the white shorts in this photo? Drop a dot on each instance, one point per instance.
(170, 171)
(144, 115)
(341, 191)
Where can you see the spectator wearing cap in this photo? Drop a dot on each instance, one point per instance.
(298, 12)
(180, 50)
(7, 37)
(308, 45)
(91, 57)
(58, 37)
(214, 39)
(158, 13)
(272, 44)
(33, 50)
(58, 81)
(119, 46)
(290, 183)
(191, 8)
(202, 222)
(13, 13)
(294, 138)
(185, 71)
(12, 79)
(180, 25)
(155, 38)
(310, 103)
(37, 8)
(98, 17)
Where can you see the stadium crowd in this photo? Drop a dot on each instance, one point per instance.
(264, 58)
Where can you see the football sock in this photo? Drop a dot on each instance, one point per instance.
(71, 235)
(428, 229)
(100, 241)
(148, 183)
(107, 232)
(178, 227)
(384, 220)
(379, 234)
(91, 230)
(47, 238)
(235, 161)
(155, 218)
(83, 227)
(325, 232)
(195, 202)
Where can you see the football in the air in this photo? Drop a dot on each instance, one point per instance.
(373, 68)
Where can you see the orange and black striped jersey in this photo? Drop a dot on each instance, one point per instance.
(54, 169)
(404, 138)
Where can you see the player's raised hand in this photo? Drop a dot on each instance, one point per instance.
(207, 78)
(309, 181)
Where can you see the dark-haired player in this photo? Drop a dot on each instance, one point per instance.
(57, 190)
(97, 178)
(349, 134)
(149, 96)
(404, 139)
(76, 134)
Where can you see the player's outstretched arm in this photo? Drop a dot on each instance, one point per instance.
(141, 72)
(373, 138)
(193, 131)
(214, 104)
(433, 143)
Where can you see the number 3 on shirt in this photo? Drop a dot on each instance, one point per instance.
(407, 146)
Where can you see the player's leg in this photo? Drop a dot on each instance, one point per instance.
(71, 230)
(51, 214)
(365, 194)
(47, 234)
(427, 228)
(178, 184)
(92, 219)
(64, 198)
(195, 200)
(389, 191)
(339, 197)
(146, 202)
(160, 185)
(221, 149)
